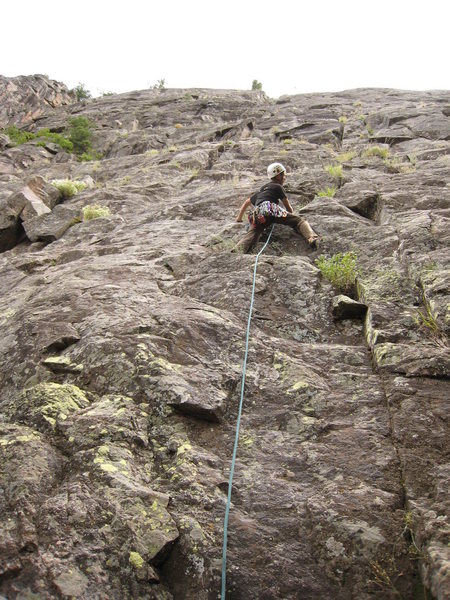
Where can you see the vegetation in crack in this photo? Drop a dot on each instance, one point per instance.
(340, 270)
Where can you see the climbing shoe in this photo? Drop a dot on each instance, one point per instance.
(313, 242)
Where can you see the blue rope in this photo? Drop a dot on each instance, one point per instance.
(238, 424)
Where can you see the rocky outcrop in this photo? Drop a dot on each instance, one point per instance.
(36, 199)
(122, 339)
(24, 99)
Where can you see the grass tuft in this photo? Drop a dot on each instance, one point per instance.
(329, 192)
(94, 211)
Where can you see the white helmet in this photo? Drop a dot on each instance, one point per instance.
(275, 169)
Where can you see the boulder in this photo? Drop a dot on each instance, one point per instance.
(51, 225)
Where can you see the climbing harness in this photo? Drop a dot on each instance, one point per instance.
(265, 211)
(238, 424)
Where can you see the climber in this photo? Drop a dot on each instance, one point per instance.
(267, 211)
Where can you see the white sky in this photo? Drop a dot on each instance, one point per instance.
(290, 46)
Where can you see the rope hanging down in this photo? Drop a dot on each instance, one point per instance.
(238, 424)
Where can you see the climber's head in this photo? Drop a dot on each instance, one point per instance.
(276, 172)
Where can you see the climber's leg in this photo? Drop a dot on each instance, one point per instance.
(250, 239)
(300, 225)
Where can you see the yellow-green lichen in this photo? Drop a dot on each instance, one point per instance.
(62, 361)
(136, 560)
(383, 284)
(246, 441)
(108, 467)
(53, 401)
(184, 448)
(299, 386)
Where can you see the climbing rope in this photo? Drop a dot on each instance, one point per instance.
(238, 424)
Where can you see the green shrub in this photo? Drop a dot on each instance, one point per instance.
(17, 136)
(87, 156)
(256, 85)
(81, 92)
(67, 187)
(329, 192)
(377, 151)
(94, 211)
(56, 138)
(340, 270)
(335, 171)
(159, 85)
(80, 134)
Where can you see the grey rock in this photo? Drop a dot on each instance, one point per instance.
(61, 364)
(27, 204)
(344, 307)
(35, 199)
(25, 98)
(117, 436)
(5, 142)
(51, 225)
(55, 335)
(9, 226)
(365, 202)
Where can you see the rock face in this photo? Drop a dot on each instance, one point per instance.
(122, 339)
(24, 99)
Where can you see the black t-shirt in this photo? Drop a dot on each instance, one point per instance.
(270, 192)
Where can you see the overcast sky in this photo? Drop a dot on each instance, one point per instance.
(289, 46)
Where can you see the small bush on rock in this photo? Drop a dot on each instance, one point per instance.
(17, 136)
(67, 187)
(81, 92)
(94, 211)
(345, 156)
(340, 270)
(80, 134)
(55, 138)
(335, 171)
(377, 151)
(43, 137)
(159, 85)
(329, 192)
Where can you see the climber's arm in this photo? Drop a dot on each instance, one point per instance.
(287, 205)
(242, 210)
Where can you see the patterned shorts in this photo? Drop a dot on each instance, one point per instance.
(262, 213)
